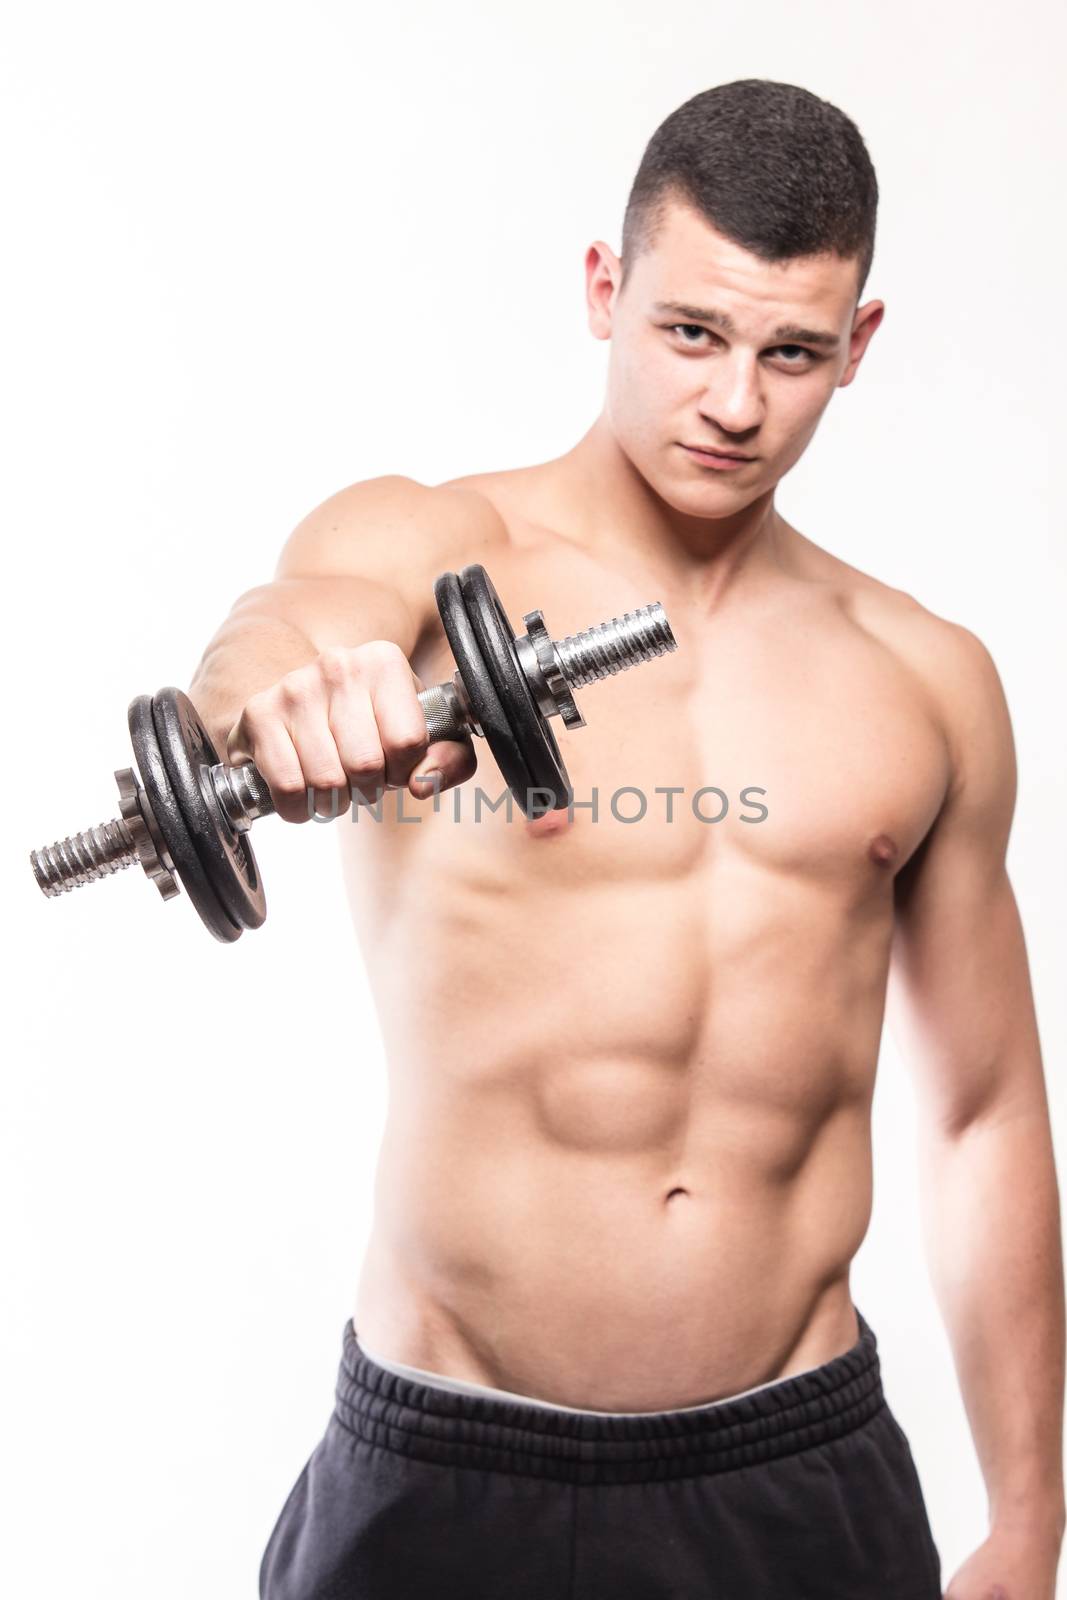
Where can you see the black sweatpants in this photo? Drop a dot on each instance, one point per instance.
(802, 1490)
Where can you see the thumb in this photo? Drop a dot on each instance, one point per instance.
(236, 749)
(446, 763)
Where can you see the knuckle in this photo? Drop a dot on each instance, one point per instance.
(286, 787)
(256, 710)
(323, 775)
(407, 742)
(335, 665)
(382, 652)
(365, 763)
(296, 689)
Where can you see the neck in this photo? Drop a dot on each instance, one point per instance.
(619, 513)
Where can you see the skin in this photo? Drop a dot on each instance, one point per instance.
(627, 1157)
(702, 1110)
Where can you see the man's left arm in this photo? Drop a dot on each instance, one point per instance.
(960, 1002)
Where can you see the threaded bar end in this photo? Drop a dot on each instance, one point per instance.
(96, 853)
(613, 646)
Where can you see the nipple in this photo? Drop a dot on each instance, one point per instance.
(882, 850)
(549, 823)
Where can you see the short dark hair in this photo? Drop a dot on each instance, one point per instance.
(774, 168)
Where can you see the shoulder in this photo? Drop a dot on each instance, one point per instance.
(962, 679)
(949, 663)
(396, 532)
(952, 661)
(953, 664)
(956, 674)
(394, 517)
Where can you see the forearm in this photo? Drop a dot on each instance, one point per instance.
(992, 1224)
(246, 655)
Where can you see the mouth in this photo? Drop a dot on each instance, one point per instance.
(722, 460)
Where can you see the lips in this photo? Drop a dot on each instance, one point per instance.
(712, 450)
(716, 461)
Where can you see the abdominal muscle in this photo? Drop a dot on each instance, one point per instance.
(626, 1162)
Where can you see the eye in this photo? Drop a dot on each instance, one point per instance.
(690, 327)
(794, 355)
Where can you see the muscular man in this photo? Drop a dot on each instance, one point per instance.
(604, 1343)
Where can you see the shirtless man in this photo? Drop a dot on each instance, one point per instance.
(604, 1343)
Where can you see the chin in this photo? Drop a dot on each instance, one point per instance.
(717, 494)
(717, 505)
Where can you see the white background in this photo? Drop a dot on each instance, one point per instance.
(256, 252)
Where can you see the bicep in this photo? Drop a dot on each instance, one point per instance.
(362, 565)
(356, 568)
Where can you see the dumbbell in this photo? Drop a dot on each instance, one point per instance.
(189, 816)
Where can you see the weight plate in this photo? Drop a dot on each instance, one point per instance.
(480, 686)
(225, 854)
(529, 727)
(160, 795)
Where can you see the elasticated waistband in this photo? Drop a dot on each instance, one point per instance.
(430, 1424)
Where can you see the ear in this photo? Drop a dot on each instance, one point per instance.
(864, 322)
(603, 275)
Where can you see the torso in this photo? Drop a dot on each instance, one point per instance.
(627, 1157)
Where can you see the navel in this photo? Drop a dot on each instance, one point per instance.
(882, 850)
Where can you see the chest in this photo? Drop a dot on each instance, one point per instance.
(784, 738)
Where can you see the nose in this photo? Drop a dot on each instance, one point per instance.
(733, 401)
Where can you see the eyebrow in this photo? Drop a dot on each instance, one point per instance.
(721, 319)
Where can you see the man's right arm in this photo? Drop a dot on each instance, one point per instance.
(310, 676)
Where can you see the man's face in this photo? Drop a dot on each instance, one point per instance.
(711, 346)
